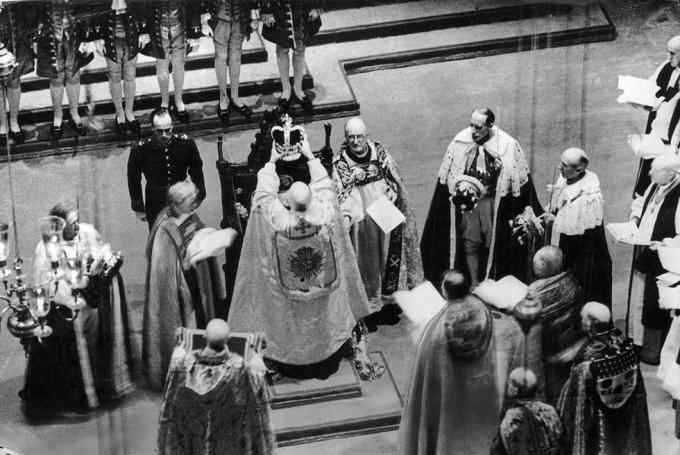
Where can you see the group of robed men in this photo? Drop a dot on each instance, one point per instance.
(315, 244)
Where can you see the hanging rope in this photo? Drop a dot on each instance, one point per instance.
(11, 184)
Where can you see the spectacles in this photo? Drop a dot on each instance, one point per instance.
(353, 137)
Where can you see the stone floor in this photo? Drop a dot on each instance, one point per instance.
(549, 99)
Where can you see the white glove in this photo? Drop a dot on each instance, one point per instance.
(87, 48)
(193, 44)
(206, 30)
(144, 39)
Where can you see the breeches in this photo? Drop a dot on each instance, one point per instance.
(123, 67)
(228, 42)
(66, 65)
(174, 43)
(476, 226)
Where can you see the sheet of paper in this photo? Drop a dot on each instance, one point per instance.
(637, 91)
(385, 214)
(647, 146)
(421, 303)
(668, 279)
(626, 233)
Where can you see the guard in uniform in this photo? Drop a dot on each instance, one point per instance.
(164, 159)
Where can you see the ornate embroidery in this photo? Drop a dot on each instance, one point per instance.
(306, 260)
(305, 263)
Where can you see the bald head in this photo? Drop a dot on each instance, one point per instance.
(575, 157)
(673, 48)
(674, 44)
(595, 317)
(574, 162)
(355, 126)
(216, 334)
(522, 383)
(548, 261)
(481, 122)
(355, 134)
(299, 196)
(161, 119)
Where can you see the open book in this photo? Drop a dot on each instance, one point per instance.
(626, 233)
(503, 294)
(421, 303)
(641, 92)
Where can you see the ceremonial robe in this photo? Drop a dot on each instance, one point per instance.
(87, 361)
(387, 262)
(441, 244)
(529, 427)
(561, 300)
(214, 405)
(177, 293)
(659, 218)
(579, 232)
(457, 387)
(298, 280)
(604, 403)
(662, 120)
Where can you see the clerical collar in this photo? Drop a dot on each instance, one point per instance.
(578, 177)
(360, 159)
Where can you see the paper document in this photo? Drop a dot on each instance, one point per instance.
(421, 303)
(637, 91)
(647, 146)
(626, 233)
(668, 279)
(385, 214)
(503, 294)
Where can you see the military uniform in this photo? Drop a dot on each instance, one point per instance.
(163, 164)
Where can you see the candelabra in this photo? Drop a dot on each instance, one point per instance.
(29, 305)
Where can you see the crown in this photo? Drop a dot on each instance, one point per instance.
(288, 138)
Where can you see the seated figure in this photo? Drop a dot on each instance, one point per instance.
(214, 402)
(298, 280)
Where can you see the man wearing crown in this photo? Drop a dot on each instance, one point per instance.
(298, 280)
(364, 172)
(483, 185)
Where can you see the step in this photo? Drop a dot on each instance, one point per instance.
(204, 121)
(203, 57)
(581, 24)
(330, 65)
(200, 86)
(378, 409)
(384, 443)
(422, 16)
(290, 392)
